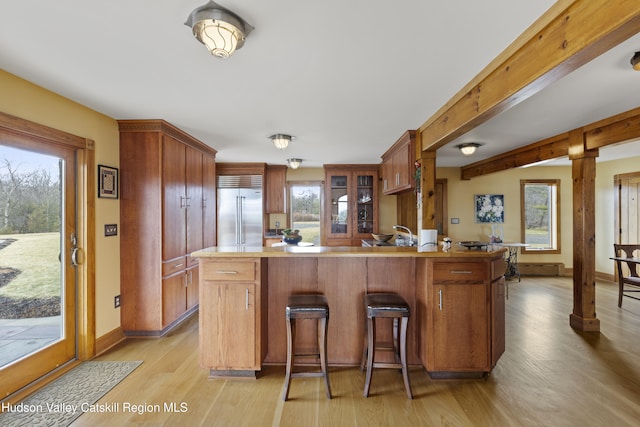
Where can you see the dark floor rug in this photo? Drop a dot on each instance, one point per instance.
(65, 399)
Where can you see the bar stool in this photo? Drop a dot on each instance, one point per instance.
(391, 306)
(307, 307)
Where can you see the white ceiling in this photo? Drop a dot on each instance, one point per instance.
(346, 78)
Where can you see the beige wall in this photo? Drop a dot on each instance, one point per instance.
(28, 101)
(461, 205)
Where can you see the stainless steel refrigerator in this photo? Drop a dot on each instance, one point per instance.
(240, 210)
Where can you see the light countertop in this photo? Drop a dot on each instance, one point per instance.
(349, 251)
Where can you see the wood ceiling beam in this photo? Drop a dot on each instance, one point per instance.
(612, 130)
(551, 148)
(567, 36)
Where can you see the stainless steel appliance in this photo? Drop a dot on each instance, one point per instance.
(240, 210)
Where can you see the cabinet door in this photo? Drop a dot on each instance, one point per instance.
(193, 178)
(276, 185)
(208, 201)
(460, 330)
(228, 319)
(365, 203)
(339, 213)
(174, 218)
(497, 320)
(192, 287)
(174, 302)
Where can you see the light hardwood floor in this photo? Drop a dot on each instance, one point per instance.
(550, 375)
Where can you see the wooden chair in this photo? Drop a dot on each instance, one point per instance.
(631, 277)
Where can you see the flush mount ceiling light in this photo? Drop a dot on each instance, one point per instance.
(280, 140)
(294, 163)
(219, 29)
(635, 61)
(468, 148)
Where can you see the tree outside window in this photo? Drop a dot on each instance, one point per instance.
(540, 214)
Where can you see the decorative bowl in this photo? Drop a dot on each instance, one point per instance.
(292, 239)
(382, 237)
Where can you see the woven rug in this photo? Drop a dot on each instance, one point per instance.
(65, 399)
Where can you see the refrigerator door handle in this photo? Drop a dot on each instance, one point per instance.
(238, 218)
(240, 221)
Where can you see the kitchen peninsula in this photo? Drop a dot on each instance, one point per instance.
(456, 298)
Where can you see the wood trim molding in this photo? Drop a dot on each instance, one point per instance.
(162, 126)
(567, 36)
(21, 132)
(109, 340)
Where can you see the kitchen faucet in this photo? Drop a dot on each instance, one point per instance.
(396, 227)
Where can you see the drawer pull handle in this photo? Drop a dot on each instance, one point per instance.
(226, 272)
(178, 265)
(461, 272)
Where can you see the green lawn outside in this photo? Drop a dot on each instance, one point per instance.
(36, 256)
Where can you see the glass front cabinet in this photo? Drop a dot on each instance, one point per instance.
(351, 204)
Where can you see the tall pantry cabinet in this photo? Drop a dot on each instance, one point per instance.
(167, 211)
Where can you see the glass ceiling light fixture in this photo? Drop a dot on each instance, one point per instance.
(280, 140)
(294, 163)
(468, 148)
(635, 61)
(219, 29)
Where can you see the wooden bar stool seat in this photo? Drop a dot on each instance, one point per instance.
(390, 306)
(307, 307)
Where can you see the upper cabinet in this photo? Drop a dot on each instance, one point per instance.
(276, 201)
(398, 165)
(351, 204)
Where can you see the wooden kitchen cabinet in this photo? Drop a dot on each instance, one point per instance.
(398, 165)
(276, 200)
(351, 204)
(232, 333)
(164, 216)
(461, 304)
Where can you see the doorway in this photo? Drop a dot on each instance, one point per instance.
(627, 200)
(39, 246)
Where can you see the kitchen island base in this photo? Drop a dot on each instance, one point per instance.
(456, 301)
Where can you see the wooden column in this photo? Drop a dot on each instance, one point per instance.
(428, 189)
(583, 317)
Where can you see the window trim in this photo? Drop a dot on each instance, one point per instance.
(549, 182)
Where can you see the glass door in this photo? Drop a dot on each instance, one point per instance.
(364, 204)
(340, 215)
(37, 262)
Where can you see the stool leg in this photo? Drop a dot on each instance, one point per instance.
(371, 348)
(396, 339)
(291, 336)
(322, 343)
(403, 355)
(365, 343)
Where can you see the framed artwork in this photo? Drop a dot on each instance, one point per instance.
(107, 182)
(489, 208)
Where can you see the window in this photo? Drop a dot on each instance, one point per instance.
(306, 202)
(540, 215)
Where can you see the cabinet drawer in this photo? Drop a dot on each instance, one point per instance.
(230, 271)
(173, 266)
(459, 271)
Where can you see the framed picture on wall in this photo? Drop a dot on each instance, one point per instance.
(489, 208)
(107, 182)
